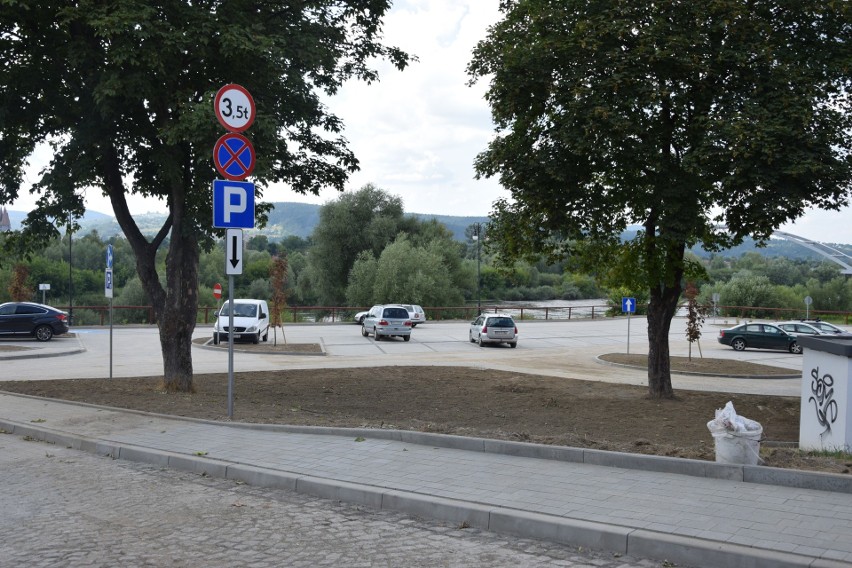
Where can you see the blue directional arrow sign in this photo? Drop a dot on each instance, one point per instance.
(628, 305)
(109, 256)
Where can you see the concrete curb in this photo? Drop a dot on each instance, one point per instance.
(28, 353)
(565, 530)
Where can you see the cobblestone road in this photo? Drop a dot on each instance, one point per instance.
(61, 507)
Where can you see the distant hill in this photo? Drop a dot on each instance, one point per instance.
(299, 219)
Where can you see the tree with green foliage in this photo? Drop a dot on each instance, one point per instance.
(406, 273)
(675, 116)
(123, 93)
(366, 220)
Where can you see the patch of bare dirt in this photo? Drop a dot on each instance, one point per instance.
(722, 367)
(264, 347)
(10, 348)
(467, 402)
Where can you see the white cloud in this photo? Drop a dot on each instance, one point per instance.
(417, 132)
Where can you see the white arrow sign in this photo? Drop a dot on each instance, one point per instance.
(234, 251)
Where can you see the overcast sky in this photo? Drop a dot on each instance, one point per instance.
(417, 132)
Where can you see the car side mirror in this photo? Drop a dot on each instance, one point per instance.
(262, 315)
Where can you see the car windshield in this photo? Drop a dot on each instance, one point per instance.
(240, 310)
(500, 322)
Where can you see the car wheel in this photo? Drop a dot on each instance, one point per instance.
(795, 348)
(738, 344)
(256, 338)
(361, 320)
(215, 339)
(479, 340)
(266, 335)
(376, 333)
(43, 333)
(406, 337)
(513, 344)
(364, 331)
(470, 337)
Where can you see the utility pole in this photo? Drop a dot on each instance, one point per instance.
(477, 228)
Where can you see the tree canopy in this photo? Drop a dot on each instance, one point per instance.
(679, 117)
(123, 92)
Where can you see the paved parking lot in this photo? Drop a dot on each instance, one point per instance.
(558, 348)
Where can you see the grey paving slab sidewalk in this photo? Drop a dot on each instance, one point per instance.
(709, 518)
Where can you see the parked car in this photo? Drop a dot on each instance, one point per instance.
(493, 328)
(251, 321)
(415, 313)
(826, 328)
(359, 317)
(798, 328)
(387, 321)
(759, 336)
(31, 319)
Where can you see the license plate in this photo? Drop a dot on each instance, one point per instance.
(236, 336)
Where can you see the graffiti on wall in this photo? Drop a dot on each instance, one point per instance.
(822, 395)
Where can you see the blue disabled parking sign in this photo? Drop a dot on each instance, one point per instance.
(628, 305)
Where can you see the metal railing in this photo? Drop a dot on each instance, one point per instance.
(124, 315)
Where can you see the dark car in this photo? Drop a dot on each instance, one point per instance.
(33, 320)
(759, 336)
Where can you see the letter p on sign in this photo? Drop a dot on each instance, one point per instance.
(233, 204)
(235, 201)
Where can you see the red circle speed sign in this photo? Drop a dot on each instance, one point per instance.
(217, 291)
(234, 108)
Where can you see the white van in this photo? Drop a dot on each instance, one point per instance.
(251, 321)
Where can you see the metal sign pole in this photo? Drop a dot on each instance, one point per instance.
(230, 346)
(110, 337)
(628, 333)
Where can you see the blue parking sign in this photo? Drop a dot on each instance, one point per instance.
(628, 305)
(233, 204)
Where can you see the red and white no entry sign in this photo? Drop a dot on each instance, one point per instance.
(217, 291)
(234, 108)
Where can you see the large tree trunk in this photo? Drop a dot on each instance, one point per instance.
(661, 310)
(177, 314)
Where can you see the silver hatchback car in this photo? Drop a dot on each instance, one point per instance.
(387, 321)
(493, 328)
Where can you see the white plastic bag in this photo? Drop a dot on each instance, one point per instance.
(727, 420)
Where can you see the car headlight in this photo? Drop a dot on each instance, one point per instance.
(252, 329)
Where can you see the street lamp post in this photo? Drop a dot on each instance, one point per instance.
(477, 228)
